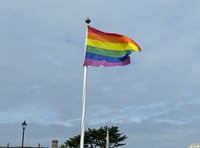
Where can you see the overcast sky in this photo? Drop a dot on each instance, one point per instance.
(155, 100)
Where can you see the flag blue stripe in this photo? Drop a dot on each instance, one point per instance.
(98, 57)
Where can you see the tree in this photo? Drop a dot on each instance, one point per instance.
(96, 138)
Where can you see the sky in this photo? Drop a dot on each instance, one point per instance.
(155, 100)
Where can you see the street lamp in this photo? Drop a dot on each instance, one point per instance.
(24, 124)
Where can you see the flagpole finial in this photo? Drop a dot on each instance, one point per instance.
(87, 21)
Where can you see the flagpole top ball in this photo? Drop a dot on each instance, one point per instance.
(87, 21)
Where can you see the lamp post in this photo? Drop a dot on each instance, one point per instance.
(24, 124)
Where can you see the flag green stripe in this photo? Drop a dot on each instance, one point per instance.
(104, 52)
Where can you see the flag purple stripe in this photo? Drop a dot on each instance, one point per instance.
(97, 63)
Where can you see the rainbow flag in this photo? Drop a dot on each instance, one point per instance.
(108, 49)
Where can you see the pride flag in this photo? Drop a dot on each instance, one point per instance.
(108, 49)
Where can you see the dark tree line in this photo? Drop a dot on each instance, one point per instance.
(96, 138)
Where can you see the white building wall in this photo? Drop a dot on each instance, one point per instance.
(194, 145)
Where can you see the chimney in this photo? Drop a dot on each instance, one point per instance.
(54, 143)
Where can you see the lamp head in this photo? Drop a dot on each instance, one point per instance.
(24, 124)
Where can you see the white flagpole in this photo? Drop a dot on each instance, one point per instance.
(85, 67)
(107, 139)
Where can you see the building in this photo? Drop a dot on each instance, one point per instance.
(53, 142)
(194, 145)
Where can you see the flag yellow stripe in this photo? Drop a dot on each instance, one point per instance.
(112, 46)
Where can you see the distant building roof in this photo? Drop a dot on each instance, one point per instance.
(194, 145)
(21, 147)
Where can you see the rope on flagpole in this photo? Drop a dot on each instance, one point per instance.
(85, 67)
